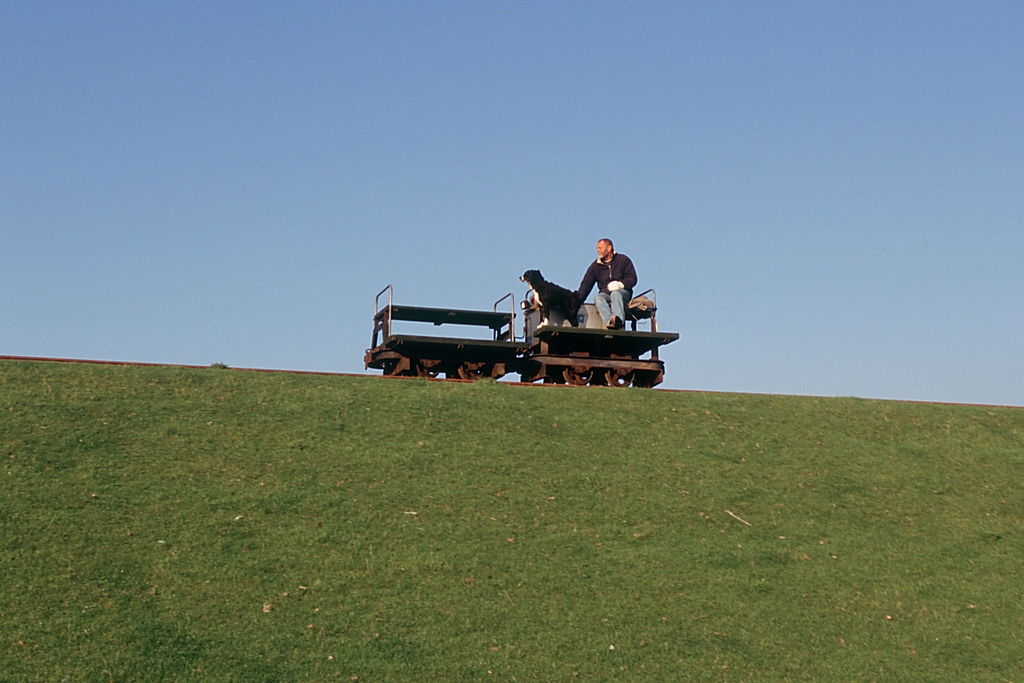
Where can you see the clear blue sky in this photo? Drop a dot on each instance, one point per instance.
(827, 196)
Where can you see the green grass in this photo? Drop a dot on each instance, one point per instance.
(416, 531)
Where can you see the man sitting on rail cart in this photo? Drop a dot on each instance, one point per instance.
(615, 277)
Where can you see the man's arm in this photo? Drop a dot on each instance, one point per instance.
(628, 273)
(588, 283)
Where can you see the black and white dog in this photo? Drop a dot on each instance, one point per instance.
(551, 297)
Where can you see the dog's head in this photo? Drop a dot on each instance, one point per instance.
(532, 277)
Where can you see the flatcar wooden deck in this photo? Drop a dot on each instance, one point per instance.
(596, 342)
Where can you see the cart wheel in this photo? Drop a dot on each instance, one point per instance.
(554, 376)
(473, 371)
(577, 375)
(428, 368)
(619, 378)
(645, 380)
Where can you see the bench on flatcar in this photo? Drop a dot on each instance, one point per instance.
(428, 356)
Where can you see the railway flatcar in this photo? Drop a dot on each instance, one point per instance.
(430, 355)
(553, 352)
(590, 354)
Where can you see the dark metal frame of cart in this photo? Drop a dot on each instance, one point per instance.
(591, 354)
(552, 353)
(428, 356)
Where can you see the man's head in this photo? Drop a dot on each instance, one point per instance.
(605, 249)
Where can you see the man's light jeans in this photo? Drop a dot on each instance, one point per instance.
(613, 303)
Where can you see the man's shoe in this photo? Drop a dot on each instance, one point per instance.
(614, 323)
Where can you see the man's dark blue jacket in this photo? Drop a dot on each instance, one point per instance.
(620, 268)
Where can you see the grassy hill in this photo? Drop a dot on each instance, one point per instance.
(170, 524)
